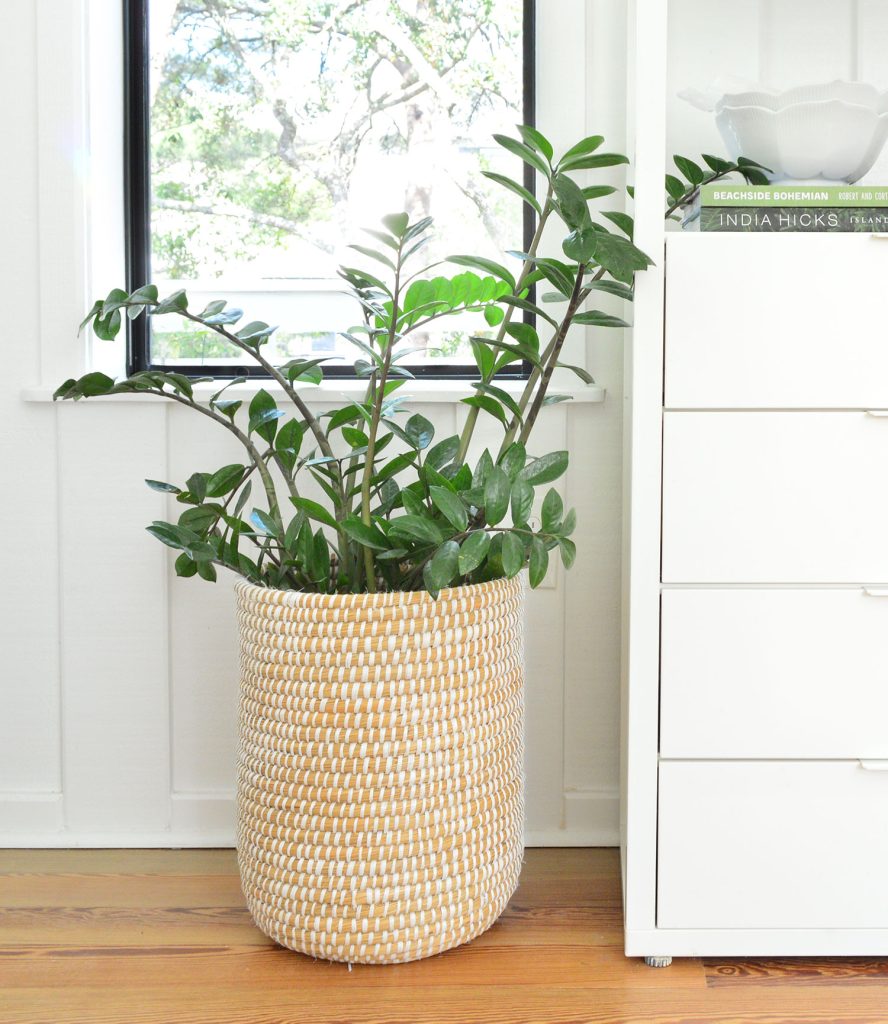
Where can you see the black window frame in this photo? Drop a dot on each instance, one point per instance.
(137, 202)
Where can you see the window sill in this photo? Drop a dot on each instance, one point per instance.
(333, 392)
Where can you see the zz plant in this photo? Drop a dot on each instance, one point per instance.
(402, 510)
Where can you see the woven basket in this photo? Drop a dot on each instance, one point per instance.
(380, 776)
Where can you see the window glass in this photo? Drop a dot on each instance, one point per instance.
(278, 129)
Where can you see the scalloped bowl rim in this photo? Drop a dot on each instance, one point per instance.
(846, 93)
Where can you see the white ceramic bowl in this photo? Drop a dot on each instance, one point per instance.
(815, 133)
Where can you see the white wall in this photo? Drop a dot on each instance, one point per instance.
(117, 693)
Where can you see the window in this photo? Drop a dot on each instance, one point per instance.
(263, 135)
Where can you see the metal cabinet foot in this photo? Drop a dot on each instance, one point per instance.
(658, 961)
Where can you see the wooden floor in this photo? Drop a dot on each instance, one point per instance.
(101, 936)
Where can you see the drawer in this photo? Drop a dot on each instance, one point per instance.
(775, 497)
(774, 674)
(771, 844)
(776, 321)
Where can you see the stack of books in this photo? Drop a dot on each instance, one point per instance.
(727, 207)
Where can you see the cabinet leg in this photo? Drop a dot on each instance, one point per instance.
(658, 961)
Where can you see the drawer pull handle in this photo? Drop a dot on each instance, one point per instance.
(876, 591)
(878, 414)
(874, 766)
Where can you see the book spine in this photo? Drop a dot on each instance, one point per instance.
(866, 220)
(803, 197)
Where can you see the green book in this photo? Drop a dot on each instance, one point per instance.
(722, 194)
(867, 220)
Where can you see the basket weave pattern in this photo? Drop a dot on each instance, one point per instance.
(380, 767)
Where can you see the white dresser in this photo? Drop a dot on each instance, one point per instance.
(755, 701)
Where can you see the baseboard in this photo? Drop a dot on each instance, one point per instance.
(206, 820)
(31, 812)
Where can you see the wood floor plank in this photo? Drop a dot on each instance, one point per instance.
(163, 937)
(105, 862)
(271, 968)
(488, 1004)
(798, 971)
(112, 890)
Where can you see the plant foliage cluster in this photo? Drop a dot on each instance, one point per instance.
(366, 498)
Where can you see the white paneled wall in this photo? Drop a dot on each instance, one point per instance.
(778, 43)
(118, 680)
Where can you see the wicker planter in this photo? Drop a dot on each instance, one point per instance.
(380, 777)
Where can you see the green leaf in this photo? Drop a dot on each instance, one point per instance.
(545, 469)
(197, 484)
(159, 485)
(595, 318)
(228, 316)
(306, 370)
(512, 554)
(95, 383)
(368, 536)
(443, 453)
(513, 186)
(584, 147)
(536, 140)
(497, 491)
(320, 560)
(568, 551)
(314, 510)
(264, 523)
(583, 374)
(590, 163)
(619, 257)
(525, 334)
(185, 565)
(623, 221)
(417, 528)
(494, 315)
(255, 332)
(489, 266)
(228, 407)
(288, 443)
(522, 502)
(539, 562)
(373, 254)
(624, 291)
(523, 151)
(207, 571)
(754, 177)
(473, 551)
(420, 431)
(569, 524)
(717, 164)
(572, 203)
(396, 223)
(482, 470)
(693, 172)
(598, 191)
(513, 459)
(174, 303)
(488, 404)
(225, 480)
(450, 506)
(552, 511)
(264, 415)
(242, 498)
(675, 187)
(443, 566)
(173, 536)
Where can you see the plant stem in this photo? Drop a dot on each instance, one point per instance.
(469, 428)
(255, 457)
(576, 300)
(379, 397)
